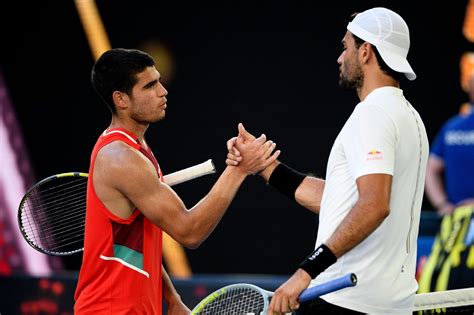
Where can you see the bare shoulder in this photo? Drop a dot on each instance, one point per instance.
(118, 161)
(121, 176)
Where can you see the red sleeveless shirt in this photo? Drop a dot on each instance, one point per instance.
(121, 266)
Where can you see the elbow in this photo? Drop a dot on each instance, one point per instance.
(192, 241)
(185, 239)
(192, 244)
(188, 235)
(384, 213)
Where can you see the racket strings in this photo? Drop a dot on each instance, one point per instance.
(58, 214)
(55, 244)
(53, 215)
(49, 211)
(70, 182)
(57, 237)
(69, 200)
(79, 239)
(65, 231)
(236, 301)
(53, 235)
(50, 195)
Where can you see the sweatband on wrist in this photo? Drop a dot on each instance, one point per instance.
(318, 261)
(286, 180)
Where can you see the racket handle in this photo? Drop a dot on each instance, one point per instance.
(189, 173)
(348, 280)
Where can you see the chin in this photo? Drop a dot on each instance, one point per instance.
(161, 117)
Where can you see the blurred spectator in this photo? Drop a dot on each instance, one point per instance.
(449, 181)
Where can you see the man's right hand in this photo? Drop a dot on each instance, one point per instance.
(233, 155)
(249, 153)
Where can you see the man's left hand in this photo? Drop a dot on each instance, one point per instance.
(285, 299)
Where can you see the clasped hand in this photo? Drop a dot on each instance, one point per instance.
(251, 153)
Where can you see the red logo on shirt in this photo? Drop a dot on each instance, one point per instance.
(374, 155)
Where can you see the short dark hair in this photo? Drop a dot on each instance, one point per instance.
(116, 70)
(382, 65)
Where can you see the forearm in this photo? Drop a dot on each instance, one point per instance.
(307, 192)
(435, 189)
(170, 294)
(310, 193)
(359, 223)
(434, 186)
(370, 210)
(207, 213)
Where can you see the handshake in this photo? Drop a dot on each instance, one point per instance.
(250, 154)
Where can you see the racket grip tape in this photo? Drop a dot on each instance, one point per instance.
(348, 280)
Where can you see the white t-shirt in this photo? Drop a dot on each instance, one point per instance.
(384, 135)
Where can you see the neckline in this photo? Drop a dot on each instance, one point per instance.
(122, 131)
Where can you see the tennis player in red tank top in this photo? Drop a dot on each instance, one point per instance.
(128, 205)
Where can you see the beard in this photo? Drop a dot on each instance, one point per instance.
(148, 119)
(157, 118)
(354, 80)
(144, 115)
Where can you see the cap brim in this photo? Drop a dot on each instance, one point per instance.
(397, 63)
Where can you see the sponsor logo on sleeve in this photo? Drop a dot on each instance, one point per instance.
(374, 155)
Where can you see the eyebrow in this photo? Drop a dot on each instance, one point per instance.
(150, 84)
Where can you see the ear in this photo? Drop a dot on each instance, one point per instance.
(365, 52)
(121, 99)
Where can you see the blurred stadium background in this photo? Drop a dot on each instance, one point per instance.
(271, 65)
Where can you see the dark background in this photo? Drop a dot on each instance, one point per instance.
(271, 65)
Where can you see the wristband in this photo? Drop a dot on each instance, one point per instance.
(286, 180)
(318, 261)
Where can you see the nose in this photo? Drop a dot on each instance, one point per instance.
(162, 89)
(339, 60)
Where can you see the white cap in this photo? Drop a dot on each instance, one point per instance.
(387, 31)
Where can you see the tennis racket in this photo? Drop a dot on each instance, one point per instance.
(52, 213)
(245, 298)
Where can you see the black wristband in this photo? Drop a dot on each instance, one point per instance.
(318, 261)
(286, 180)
